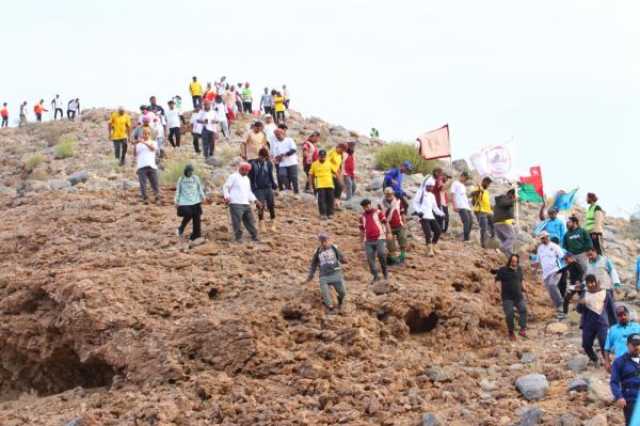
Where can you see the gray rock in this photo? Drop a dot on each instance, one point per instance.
(130, 184)
(437, 374)
(460, 165)
(568, 420)
(578, 363)
(579, 385)
(74, 422)
(78, 177)
(532, 386)
(527, 358)
(531, 417)
(212, 161)
(375, 184)
(353, 203)
(58, 184)
(429, 419)
(487, 385)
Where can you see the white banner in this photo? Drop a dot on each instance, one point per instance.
(495, 161)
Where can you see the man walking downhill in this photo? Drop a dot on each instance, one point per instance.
(426, 208)
(146, 167)
(196, 129)
(550, 256)
(195, 88)
(511, 279)
(189, 199)
(173, 124)
(394, 178)
(4, 112)
(372, 231)
(503, 218)
(328, 258)
(256, 140)
(461, 204)
(263, 185)
(284, 152)
(208, 119)
(392, 208)
(482, 208)
(310, 154)
(120, 133)
(349, 170)
(266, 102)
(321, 178)
(238, 196)
(23, 114)
(605, 272)
(577, 241)
(441, 198)
(334, 157)
(247, 99)
(593, 322)
(56, 106)
(616, 343)
(625, 378)
(594, 222)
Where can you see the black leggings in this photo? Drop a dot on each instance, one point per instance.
(174, 136)
(265, 196)
(430, 226)
(192, 213)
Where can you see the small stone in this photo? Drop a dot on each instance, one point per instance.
(58, 184)
(376, 183)
(487, 385)
(532, 386)
(74, 422)
(578, 363)
(429, 419)
(78, 177)
(557, 328)
(527, 358)
(373, 406)
(600, 391)
(599, 420)
(578, 385)
(531, 417)
(437, 374)
(568, 420)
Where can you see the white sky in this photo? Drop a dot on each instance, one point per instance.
(560, 77)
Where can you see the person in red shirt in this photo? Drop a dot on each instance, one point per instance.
(394, 212)
(209, 94)
(349, 170)
(441, 198)
(373, 230)
(310, 153)
(4, 112)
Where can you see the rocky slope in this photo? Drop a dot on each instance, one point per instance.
(106, 318)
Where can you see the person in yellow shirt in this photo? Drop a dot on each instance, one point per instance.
(482, 208)
(321, 175)
(119, 132)
(278, 106)
(334, 157)
(196, 92)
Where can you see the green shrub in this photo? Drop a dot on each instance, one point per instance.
(34, 161)
(393, 154)
(65, 149)
(174, 168)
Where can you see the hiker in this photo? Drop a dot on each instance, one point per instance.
(573, 273)
(263, 185)
(209, 94)
(603, 269)
(56, 106)
(334, 157)
(239, 99)
(177, 100)
(310, 154)
(278, 107)
(511, 279)
(173, 124)
(328, 258)
(73, 109)
(266, 102)
(285, 95)
(221, 116)
(189, 199)
(38, 109)
(392, 208)
(594, 222)
(594, 321)
(577, 241)
(4, 113)
(208, 119)
(461, 205)
(158, 131)
(229, 99)
(146, 168)
(616, 343)
(426, 208)
(221, 85)
(270, 128)
(349, 170)
(256, 140)
(247, 99)
(195, 88)
(482, 209)
(285, 156)
(372, 231)
(625, 377)
(503, 217)
(394, 178)
(196, 128)
(549, 255)
(321, 178)
(120, 133)
(238, 196)
(555, 226)
(441, 198)
(23, 114)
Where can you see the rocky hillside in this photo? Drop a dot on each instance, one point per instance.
(107, 318)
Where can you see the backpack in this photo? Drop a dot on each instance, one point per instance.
(476, 197)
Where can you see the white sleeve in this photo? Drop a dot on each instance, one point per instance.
(227, 186)
(417, 205)
(436, 209)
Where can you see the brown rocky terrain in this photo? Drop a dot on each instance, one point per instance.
(107, 318)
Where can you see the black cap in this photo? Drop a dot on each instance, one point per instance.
(634, 339)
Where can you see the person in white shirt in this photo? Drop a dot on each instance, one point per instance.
(146, 168)
(238, 196)
(173, 124)
(208, 119)
(269, 128)
(285, 155)
(56, 106)
(196, 129)
(221, 115)
(73, 108)
(550, 256)
(461, 204)
(426, 207)
(158, 132)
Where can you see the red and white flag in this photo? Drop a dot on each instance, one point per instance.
(534, 179)
(435, 144)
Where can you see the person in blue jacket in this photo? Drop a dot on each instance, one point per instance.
(638, 273)
(555, 227)
(616, 344)
(394, 177)
(625, 378)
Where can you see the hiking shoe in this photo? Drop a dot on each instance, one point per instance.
(179, 232)
(430, 252)
(523, 332)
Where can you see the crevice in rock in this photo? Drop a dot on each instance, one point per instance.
(419, 323)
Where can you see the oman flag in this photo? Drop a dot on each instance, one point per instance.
(531, 186)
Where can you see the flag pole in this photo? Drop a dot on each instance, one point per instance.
(517, 207)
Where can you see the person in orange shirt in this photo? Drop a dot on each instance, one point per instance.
(4, 113)
(39, 109)
(209, 94)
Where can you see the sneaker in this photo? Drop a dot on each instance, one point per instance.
(179, 232)
(255, 239)
(523, 332)
(374, 280)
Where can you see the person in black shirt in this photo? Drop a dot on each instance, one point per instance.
(263, 185)
(510, 277)
(574, 274)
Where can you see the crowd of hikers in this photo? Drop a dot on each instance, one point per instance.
(569, 255)
(57, 110)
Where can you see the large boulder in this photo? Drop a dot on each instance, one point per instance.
(533, 386)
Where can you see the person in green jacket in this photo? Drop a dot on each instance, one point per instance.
(594, 222)
(189, 198)
(247, 99)
(577, 241)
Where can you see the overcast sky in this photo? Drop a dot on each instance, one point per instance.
(561, 78)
